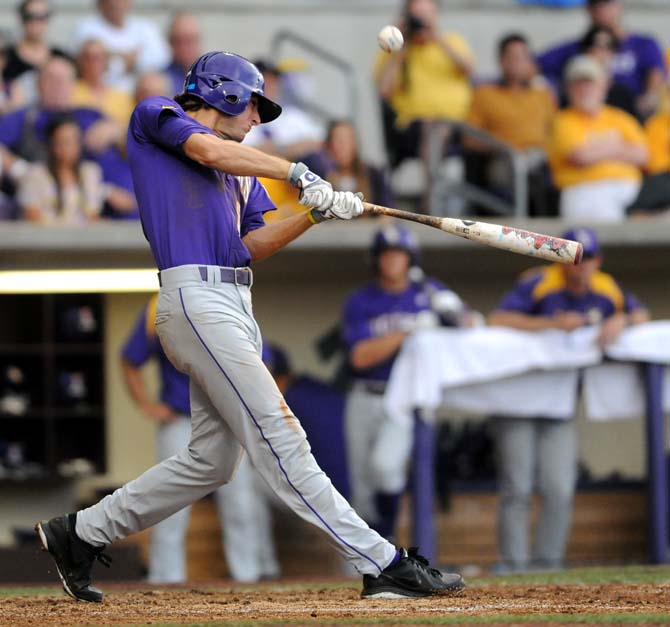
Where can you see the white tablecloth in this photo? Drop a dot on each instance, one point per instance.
(494, 370)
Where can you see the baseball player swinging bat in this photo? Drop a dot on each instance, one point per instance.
(496, 235)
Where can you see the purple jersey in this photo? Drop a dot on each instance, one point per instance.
(371, 312)
(191, 214)
(543, 292)
(320, 409)
(142, 344)
(636, 57)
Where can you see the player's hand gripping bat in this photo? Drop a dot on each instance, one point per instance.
(495, 235)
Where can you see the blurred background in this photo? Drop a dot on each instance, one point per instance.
(546, 115)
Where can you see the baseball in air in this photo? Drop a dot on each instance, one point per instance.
(390, 39)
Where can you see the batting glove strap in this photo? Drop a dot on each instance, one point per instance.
(300, 176)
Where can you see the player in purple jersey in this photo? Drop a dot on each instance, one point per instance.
(202, 209)
(543, 451)
(638, 63)
(377, 319)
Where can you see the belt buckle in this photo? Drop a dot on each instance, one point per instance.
(235, 275)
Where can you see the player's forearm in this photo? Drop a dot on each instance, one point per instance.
(135, 384)
(376, 350)
(638, 316)
(464, 64)
(234, 158)
(387, 81)
(521, 321)
(266, 241)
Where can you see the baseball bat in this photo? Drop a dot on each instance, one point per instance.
(496, 235)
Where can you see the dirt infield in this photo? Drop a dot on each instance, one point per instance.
(320, 604)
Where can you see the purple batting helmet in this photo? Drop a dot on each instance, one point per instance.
(393, 236)
(226, 81)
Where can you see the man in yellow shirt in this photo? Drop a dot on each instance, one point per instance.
(597, 152)
(519, 112)
(427, 80)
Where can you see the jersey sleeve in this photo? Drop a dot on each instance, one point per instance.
(257, 204)
(163, 121)
(650, 56)
(519, 298)
(632, 303)
(142, 343)
(355, 323)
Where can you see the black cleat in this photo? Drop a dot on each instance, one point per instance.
(411, 576)
(73, 557)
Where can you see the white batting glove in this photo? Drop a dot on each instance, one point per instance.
(314, 191)
(345, 206)
(447, 303)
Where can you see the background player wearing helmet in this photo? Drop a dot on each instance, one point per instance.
(377, 319)
(202, 211)
(243, 507)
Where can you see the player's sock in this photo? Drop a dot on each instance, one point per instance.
(387, 504)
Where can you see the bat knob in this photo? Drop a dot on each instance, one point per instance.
(579, 254)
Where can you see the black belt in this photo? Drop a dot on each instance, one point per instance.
(238, 276)
(373, 387)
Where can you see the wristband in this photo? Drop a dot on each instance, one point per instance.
(300, 176)
(315, 216)
(295, 172)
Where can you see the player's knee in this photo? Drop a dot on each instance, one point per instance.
(211, 464)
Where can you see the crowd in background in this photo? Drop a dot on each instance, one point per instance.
(587, 120)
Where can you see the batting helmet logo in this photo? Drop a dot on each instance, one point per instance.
(227, 81)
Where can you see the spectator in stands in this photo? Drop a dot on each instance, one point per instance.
(345, 169)
(597, 152)
(152, 84)
(543, 451)
(638, 63)
(185, 41)
(135, 44)
(242, 506)
(601, 43)
(23, 132)
(320, 410)
(24, 59)
(427, 80)
(92, 91)
(66, 189)
(298, 136)
(518, 111)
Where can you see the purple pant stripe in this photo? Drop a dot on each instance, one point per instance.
(260, 430)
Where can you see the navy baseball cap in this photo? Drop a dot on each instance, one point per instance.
(587, 238)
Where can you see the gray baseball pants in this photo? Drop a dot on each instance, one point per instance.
(378, 449)
(542, 452)
(244, 511)
(208, 331)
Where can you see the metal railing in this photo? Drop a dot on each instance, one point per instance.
(439, 188)
(346, 70)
